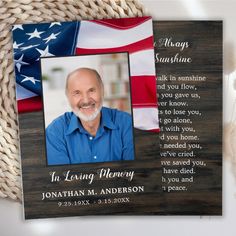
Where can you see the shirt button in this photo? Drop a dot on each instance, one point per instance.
(90, 138)
(95, 157)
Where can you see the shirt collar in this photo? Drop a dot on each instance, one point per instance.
(105, 122)
(74, 124)
(107, 119)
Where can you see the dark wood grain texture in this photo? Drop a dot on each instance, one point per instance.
(205, 50)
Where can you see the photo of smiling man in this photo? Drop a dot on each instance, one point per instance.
(90, 132)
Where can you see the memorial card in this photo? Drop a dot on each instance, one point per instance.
(88, 117)
(188, 57)
(91, 96)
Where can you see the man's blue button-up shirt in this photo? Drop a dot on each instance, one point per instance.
(69, 143)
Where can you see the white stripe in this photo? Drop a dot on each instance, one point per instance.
(146, 118)
(93, 35)
(142, 63)
(22, 93)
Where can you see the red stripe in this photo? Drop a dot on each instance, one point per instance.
(131, 48)
(143, 91)
(30, 104)
(154, 130)
(123, 23)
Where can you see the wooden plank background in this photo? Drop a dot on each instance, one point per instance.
(204, 198)
(205, 49)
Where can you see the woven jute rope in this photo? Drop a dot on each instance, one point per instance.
(32, 11)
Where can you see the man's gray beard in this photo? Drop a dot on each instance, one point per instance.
(83, 117)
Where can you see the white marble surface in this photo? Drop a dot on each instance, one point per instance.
(11, 213)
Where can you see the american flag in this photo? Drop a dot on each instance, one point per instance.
(133, 35)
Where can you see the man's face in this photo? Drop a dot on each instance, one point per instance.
(85, 94)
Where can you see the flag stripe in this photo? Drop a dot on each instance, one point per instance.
(143, 88)
(146, 118)
(131, 48)
(30, 104)
(22, 93)
(154, 130)
(142, 63)
(123, 23)
(96, 36)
